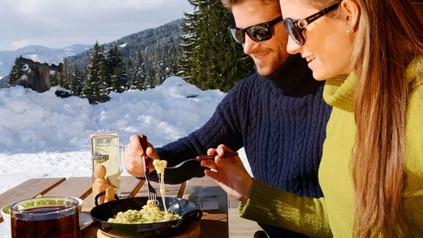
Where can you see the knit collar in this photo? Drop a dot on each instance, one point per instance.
(292, 74)
(339, 91)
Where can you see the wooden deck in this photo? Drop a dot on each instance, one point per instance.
(240, 227)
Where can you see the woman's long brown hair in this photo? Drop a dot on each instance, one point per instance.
(391, 37)
(388, 37)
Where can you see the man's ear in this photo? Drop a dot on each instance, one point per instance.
(351, 12)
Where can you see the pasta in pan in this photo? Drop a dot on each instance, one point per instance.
(150, 213)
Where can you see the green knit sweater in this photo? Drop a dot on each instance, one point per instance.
(332, 215)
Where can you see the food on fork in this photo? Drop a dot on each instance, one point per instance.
(160, 166)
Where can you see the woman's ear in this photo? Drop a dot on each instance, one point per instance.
(351, 11)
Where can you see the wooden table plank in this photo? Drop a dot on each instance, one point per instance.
(172, 190)
(130, 185)
(137, 188)
(214, 225)
(29, 189)
(74, 187)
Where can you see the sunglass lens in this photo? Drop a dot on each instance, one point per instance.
(238, 35)
(293, 32)
(259, 33)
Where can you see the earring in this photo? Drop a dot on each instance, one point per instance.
(348, 25)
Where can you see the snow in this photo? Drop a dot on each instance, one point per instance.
(42, 135)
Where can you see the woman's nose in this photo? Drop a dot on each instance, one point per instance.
(292, 47)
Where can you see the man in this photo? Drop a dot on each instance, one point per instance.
(277, 114)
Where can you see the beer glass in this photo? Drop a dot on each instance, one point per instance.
(107, 150)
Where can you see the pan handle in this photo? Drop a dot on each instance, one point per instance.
(194, 215)
(101, 194)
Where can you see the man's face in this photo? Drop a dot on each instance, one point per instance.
(268, 55)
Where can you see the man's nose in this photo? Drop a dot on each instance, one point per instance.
(248, 45)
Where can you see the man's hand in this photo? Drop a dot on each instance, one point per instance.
(133, 157)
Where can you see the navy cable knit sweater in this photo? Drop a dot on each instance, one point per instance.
(280, 121)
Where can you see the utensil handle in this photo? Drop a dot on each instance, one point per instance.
(203, 157)
(206, 157)
(144, 157)
(143, 143)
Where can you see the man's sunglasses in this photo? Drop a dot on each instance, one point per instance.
(295, 28)
(258, 33)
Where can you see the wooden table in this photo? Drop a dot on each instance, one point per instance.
(211, 198)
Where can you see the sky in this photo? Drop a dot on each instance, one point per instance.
(61, 23)
(42, 135)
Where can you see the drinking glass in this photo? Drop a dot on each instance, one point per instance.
(45, 217)
(107, 150)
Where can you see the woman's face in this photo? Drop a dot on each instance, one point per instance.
(328, 44)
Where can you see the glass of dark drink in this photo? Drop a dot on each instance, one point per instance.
(45, 217)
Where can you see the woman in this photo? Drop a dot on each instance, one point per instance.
(370, 52)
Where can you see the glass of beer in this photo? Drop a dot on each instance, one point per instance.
(46, 217)
(107, 150)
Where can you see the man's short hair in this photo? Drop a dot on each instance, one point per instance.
(229, 3)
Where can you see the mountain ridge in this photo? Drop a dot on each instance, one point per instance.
(151, 38)
(38, 53)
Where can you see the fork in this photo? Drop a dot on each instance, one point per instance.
(199, 158)
(151, 192)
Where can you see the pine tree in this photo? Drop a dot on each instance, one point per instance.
(186, 47)
(95, 83)
(55, 79)
(209, 57)
(115, 74)
(16, 72)
(139, 72)
(76, 81)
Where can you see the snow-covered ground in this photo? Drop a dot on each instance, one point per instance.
(42, 135)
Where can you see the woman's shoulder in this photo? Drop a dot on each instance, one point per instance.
(415, 105)
(415, 73)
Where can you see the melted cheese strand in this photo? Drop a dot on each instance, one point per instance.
(160, 166)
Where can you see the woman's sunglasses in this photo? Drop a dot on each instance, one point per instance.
(295, 28)
(258, 33)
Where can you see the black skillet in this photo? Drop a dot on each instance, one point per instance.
(188, 210)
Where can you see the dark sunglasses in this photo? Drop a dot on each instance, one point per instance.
(295, 28)
(258, 33)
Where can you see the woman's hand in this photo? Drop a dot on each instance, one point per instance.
(133, 157)
(229, 172)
